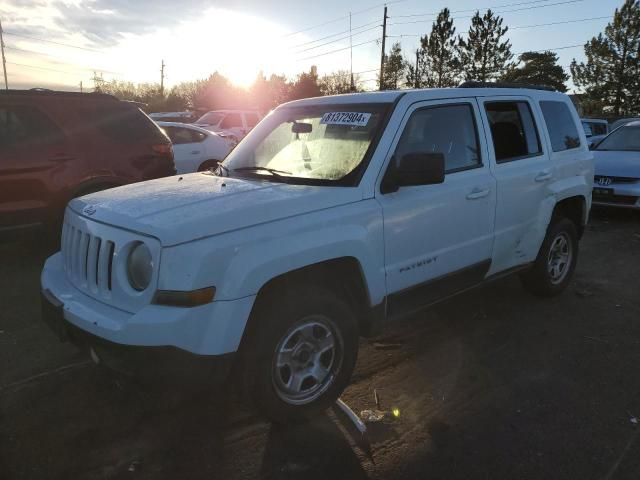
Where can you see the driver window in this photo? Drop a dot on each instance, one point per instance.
(446, 129)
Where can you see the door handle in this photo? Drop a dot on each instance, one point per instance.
(195, 152)
(477, 193)
(543, 176)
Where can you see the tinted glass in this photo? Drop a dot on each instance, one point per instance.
(197, 136)
(598, 128)
(179, 135)
(251, 119)
(231, 120)
(123, 123)
(210, 118)
(624, 139)
(449, 129)
(23, 125)
(513, 130)
(561, 126)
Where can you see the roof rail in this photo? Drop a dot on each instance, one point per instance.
(47, 92)
(478, 84)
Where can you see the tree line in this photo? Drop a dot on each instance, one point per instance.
(608, 79)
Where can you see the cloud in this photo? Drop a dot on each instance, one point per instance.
(108, 21)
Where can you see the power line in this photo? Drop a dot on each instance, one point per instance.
(335, 34)
(37, 39)
(34, 52)
(343, 17)
(46, 68)
(499, 12)
(337, 50)
(473, 9)
(520, 26)
(337, 40)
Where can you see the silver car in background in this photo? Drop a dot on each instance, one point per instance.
(617, 169)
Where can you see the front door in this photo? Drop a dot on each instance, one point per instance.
(438, 238)
(33, 157)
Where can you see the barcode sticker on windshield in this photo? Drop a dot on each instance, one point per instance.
(357, 119)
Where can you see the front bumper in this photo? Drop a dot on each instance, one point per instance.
(212, 329)
(162, 364)
(619, 195)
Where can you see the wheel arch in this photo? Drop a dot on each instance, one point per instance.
(343, 275)
(573, 208)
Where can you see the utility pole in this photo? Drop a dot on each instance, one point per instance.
(417, 79)
(80, 86)
(384, 38)
(162, 78)
(353, 87)
(4, 60)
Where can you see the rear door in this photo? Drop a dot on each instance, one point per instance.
(234, 124)
(34, 156)
(522, 168)
(438, 238)
(188, 148)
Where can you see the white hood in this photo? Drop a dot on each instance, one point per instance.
(179, 209)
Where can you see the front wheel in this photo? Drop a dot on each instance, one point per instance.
(556, 261)
(302, 353)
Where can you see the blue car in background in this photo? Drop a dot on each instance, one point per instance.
(617, 168)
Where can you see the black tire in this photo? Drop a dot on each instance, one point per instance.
(540, 279)
(277, 321)
(207, 164)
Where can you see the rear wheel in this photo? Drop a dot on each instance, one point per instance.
(556, 260)
(301, 354)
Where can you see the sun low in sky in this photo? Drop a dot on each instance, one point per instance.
(60, 43)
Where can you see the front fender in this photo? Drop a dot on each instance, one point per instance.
(239, 263)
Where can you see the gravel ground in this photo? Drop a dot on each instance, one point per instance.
(493, 384)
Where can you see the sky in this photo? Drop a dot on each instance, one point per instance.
(60, 43)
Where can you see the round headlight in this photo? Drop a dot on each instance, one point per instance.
(140, 266)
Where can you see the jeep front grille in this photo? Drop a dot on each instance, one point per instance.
(88, 259)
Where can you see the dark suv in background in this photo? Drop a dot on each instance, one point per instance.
(55, 146)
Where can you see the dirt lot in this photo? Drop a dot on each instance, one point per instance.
(494, 384)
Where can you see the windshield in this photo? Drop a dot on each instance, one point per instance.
(318, 144)
(624, 139)
(211, 118)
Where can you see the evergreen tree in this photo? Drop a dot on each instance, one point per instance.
(483, 55)
(610, 75)
(538, 68)
(338, 82)
(438, 64)
(394, 69)
(306, 85)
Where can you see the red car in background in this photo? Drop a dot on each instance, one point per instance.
(55, 146)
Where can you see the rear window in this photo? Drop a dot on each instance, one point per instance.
(26, 125)
(513, 130)
(123, 125)
(560, 125)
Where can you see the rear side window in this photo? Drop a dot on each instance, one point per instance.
(180, 136)
(231, 120)
(25, 125)
(561, 126)
(447, 129)
(123, 124)
(513, 130)
(251, 119)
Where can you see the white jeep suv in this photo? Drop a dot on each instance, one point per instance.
(334, 216)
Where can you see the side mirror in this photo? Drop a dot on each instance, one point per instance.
(419, 169)
(414, 169)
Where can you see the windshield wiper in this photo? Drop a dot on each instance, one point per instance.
(272, 171)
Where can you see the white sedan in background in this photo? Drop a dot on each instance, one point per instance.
(196, 149)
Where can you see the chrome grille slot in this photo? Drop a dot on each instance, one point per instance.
(88, 260)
